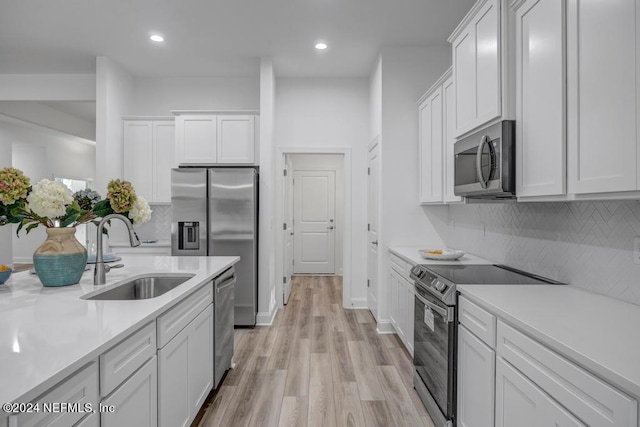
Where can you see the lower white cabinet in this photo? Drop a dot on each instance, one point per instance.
(476, 381)
(185, 372)
(520, 403)
(135, 402)
(79, 391)
(402, 296)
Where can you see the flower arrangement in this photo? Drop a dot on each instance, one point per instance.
(52, 205)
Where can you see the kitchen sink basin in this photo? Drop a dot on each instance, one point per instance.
(142, 287)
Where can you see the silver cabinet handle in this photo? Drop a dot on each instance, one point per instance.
(330, 227)
(375, 242)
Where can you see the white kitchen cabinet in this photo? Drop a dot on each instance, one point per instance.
(185, 371)
(520, 402)
(196, 138)
(430, 146)
(148, 156)
(236, 139)
(540, 98)
(223, 138)
(448, 139)
(602, 93)
(481, 66)
(402, 296)
(476, 381)
(134, 402)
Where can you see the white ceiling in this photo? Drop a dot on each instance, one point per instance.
(217, 37)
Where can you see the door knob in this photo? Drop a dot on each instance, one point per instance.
(375, 242)
(330, 227)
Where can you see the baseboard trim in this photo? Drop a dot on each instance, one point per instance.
(358, 303)
(385, 327)
(23, 260)
(266, 319)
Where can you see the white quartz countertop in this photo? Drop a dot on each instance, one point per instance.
(48, 333)
(598, 332)
(410, 255)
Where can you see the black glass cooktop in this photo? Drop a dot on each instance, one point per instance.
(486, 275)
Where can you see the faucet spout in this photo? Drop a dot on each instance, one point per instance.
(100, 270)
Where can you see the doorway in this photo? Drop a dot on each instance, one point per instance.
(313, 213)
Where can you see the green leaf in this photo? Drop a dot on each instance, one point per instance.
(32, 226)
(69, 219)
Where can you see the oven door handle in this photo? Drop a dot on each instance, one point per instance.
(447, 314)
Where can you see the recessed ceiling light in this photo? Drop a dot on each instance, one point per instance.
(156, 38)
(321, 46)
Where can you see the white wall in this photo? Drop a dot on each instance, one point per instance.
(327, 162)
(332, 112)
(405, 74)
(158, 96)
(266, 255)
(375, 100)
(41, 155)
(6, 241)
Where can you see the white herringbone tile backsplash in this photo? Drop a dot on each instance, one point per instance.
(586, 244)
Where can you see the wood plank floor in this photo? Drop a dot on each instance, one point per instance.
(317, 365)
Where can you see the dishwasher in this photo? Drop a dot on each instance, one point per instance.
(223, 304)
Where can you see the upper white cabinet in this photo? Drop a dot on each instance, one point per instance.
(203, 138)
(236, 136)
(448, 139)
(481, 66)
(602, 96)
(540, 98)
(152, 140)
(430, 146)
(436, 121)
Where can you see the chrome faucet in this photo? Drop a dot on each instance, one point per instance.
(100, 271)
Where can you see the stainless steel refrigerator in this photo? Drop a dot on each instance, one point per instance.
(215, 212)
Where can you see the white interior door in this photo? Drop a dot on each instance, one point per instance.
(372, 217)
(287, 229)
(314, 221)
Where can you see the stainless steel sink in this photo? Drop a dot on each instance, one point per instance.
(142, 287)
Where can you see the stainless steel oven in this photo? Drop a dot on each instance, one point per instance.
(434, 348)
(436, 331)
(484, 164)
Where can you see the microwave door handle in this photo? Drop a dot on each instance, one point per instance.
(483, 142)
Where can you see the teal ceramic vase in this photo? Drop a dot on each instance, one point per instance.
(61, 259)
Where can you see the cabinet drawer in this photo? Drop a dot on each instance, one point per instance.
(79, 389)
(592, 400)
(174, 320)
(477, 320)
(117, 364)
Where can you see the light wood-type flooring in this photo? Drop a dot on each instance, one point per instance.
(317, 365)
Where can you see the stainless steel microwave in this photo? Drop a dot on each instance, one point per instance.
(485, 163)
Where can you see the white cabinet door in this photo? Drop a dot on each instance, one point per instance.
(430, 145)
(196, 138)
(488, 73)
(138, 156)
(477, 68)
(540, 98)
(236, 139)
(185, 371)
(173, 382)
(518, 401)
(135, 402)
(411, 296)
(200, 359)
(164, 135)
(393, 300)
(401, 315)
(476, 381)
(448, 139)
(602, 92)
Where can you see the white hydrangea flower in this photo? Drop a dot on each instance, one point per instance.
(140, 211)
(49, 199)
